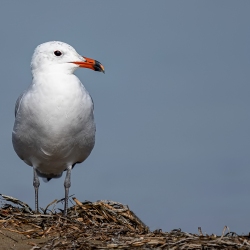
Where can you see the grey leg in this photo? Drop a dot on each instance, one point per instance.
(36, 184)
(67, 184)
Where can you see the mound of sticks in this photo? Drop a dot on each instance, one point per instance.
(99, 225)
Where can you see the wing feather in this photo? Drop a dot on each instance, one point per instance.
(18, 103)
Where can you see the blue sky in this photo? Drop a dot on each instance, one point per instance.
(172, 110)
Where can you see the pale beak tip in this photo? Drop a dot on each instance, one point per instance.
(102, 68)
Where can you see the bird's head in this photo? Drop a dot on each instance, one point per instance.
(59, 56)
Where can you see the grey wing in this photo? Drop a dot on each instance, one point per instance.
(18, 102)
(92, 102)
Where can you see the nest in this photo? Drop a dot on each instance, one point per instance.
(98, 225)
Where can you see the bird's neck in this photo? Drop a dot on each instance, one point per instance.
(64, 68)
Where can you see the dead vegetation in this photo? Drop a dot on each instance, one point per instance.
(99, 225)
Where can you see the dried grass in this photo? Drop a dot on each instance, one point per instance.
(103, 225)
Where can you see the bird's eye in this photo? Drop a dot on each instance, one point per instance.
(58, 53)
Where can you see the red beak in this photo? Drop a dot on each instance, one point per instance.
(91, 64)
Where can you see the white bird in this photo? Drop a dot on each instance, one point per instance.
(54, 123)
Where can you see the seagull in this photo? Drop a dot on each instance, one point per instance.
(54, 125)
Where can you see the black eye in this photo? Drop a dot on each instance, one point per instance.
(58, 53)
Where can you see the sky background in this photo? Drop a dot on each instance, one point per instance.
(172, 110)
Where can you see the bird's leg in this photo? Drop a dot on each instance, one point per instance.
(67, 184)
(36, 184)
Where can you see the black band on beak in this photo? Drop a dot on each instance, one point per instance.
(98, 67)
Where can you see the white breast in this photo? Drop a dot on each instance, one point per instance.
(58, 129)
